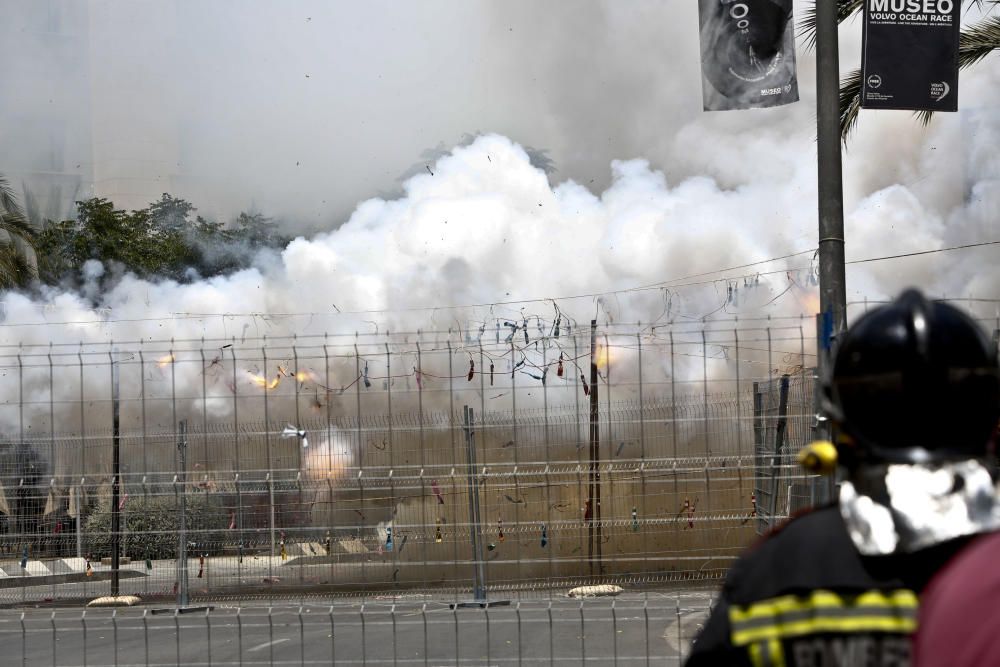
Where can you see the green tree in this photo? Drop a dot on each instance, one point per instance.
(17, 250)
(258, 232)
(160, 241)
(974, 43)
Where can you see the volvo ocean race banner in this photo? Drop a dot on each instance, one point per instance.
(747, 54)
(910, 55)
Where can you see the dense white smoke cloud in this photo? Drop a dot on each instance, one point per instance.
(486, 227)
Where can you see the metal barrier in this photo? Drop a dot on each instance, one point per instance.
(631, 630)
(307, 466)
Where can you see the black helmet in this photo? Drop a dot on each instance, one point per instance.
(913, 381)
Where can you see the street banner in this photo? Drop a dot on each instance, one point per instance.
(747, 54)
(910, 55)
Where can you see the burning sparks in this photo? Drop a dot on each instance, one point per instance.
(165, 361)
(603, 356)
(811, 303)
(262, 381)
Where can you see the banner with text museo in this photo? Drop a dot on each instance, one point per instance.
(910, 55)
(747, 54)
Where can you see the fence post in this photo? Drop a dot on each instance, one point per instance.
(479, 573)
(779, 440)
(182, 573)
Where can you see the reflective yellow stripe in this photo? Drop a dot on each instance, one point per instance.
(898, 599)
(819, 625)
(822, 612)
(769, 653)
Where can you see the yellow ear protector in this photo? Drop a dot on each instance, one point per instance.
(819, 457)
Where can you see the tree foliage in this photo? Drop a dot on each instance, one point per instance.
(17, 243)
(152, 527)
(163, 240)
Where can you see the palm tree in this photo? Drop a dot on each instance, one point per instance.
(16, 266)
(974, 43)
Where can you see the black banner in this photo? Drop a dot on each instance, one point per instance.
(747, 54)
(910, 55)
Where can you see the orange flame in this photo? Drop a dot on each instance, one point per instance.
(811, 303)
(163, 362)
(261, 381)
(603, 356)
(305, 376)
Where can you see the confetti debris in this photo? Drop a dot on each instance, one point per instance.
(689, 510)
(437, 492)
(753, 509)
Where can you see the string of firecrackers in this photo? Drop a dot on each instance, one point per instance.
(750, 281)
(654, 334)
(282, 371)
(687, 509)
(753, 509)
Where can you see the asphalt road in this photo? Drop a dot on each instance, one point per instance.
(632, 629)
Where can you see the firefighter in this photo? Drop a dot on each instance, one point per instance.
(913, 393)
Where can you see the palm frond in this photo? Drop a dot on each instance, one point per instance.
(18, 227)
(850, 103)
(8, 200)
(924, 117)
(978, 41)
(807, 26)
(15, 271)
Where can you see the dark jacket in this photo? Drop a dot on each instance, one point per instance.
(959, 621)
(803, 596)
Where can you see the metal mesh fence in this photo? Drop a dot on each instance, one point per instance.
(647, 630)
(636, 456)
